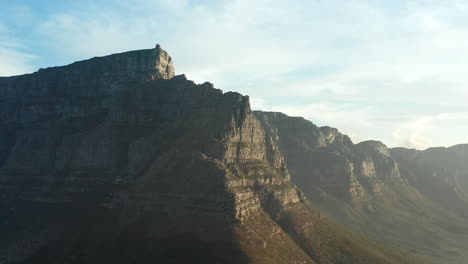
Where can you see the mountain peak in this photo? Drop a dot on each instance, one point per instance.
(375, 146)
(145, 64)
(164, 69)
(91, 77)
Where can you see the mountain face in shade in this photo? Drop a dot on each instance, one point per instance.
(117, 160)
(323, 158)
(439, 173)
(414, 200)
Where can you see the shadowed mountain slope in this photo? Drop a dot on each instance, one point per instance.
(117, 160)
(439, 173)
(386, 195)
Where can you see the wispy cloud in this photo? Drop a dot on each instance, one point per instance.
(12, 59)
(374, 69)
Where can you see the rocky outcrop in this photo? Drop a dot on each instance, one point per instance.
(79, 89)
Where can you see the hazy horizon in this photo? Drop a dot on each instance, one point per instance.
(389, 71)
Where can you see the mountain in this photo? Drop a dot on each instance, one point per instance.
(439, 173)
(116, 159)
(403, 198)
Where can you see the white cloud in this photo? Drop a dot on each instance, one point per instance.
(363, 122)
(12, 60)
(374, 69)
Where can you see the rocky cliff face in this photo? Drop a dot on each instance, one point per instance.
(122, 133)
(115, 159)
(325, 160)
(387, 195)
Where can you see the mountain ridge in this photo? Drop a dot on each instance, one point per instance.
(118, 148)
(364, 187)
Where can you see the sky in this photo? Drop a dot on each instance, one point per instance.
(394, 71)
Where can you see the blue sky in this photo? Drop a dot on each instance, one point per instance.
(394, 71)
